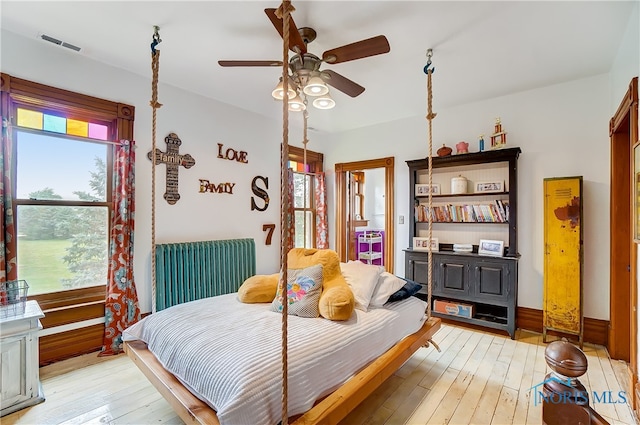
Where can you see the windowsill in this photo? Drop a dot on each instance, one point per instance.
(55, 300)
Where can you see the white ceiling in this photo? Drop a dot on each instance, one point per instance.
(481, 49)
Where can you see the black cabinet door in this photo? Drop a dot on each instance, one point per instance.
(494, 281)
(417, 269)
(452, 275)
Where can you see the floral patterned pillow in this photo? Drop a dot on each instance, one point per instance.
(304, 288)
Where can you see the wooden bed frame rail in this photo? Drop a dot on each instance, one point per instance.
(330, 410)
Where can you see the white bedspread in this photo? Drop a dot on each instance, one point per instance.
(229, 353)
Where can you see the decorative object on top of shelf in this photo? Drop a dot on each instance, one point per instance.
(422, 244)
(490, 187)
(481, 143)
(489, 247)
(444, 150)
(499, 137)
(462, 247)
(462, 147)
(423, 189)
(458, 185)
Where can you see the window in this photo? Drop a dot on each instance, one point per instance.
(62, 199)
(61, 169)
(303, 195)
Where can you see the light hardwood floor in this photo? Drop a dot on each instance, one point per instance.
(478, 378)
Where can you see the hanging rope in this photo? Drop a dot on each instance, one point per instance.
(155, 66)
(283, 13)
(430, 116)
(305, 117)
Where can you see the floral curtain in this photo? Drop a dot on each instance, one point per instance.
(290, 214)
(121, 307)
(8, 260)
(322, 231)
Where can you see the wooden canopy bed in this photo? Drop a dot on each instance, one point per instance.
(355, 386)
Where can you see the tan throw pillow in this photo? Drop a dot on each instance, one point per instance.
(258, 289)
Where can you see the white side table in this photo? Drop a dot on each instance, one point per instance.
(19, 374)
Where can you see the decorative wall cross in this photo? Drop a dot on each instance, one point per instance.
(173, 160)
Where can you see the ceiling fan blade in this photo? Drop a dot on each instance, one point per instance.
(358, 50)
(343, 84)
(250, 63)
(295, 39)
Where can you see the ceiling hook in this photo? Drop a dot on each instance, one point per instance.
(426, 68)
(155, 40)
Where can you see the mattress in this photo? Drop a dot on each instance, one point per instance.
(229, 353)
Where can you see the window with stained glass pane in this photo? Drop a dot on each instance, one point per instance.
(62, 202)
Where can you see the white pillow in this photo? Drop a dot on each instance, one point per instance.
(363, 279)
(388, 284)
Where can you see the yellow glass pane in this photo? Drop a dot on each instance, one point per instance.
(29, 119)
(77, 128)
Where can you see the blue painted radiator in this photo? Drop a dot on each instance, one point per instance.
(193, 270)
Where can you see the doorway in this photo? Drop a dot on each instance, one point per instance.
(351, 210)
(623, 132)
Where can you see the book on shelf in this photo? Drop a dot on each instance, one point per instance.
(495, 212)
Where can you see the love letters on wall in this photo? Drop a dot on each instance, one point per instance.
(259, 184)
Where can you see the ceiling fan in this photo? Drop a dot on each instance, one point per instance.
(305, 66)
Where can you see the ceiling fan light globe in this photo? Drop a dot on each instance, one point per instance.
(316, 87)
(324, 102)
(296, 104)
(278, 92)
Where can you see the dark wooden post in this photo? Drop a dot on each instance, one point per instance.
(565, 399)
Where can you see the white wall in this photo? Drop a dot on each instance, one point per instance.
(562, 131)
(201, 124)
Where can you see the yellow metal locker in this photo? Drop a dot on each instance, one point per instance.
(563, 256)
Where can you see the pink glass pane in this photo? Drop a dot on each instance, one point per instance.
(29, 119)
(98, 131)
(77, 128)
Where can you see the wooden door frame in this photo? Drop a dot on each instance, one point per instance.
(341, 170)
(623, 318)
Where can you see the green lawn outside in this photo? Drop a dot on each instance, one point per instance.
(41, 265)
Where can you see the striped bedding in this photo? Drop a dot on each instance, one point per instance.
(229, 353)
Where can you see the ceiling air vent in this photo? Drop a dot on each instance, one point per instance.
(59, 42)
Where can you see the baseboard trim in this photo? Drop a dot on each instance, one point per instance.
(69, 344)
(596, 331)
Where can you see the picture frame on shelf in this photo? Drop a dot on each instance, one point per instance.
(423, 189)
(489, 187)
(636, 193)
(490, 247)
(422, 244)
